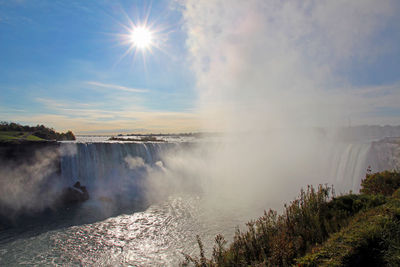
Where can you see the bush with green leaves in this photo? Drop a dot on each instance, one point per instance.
(384, 183)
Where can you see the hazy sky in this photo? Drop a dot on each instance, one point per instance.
(65, 63)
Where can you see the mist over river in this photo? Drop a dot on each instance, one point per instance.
(149, 200)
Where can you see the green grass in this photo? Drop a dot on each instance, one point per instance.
(11, 136)
(33, 138)
(14, 132)
(371, 238)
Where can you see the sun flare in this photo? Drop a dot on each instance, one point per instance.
(141, 37)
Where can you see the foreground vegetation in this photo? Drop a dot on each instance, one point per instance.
(14, 132)
(320, 229)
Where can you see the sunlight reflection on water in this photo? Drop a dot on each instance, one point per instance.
(155, 237)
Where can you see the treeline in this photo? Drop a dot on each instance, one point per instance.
(319, 229)
(40, 131)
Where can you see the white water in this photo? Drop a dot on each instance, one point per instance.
(348, 165)
(101, 163)
(92, 163)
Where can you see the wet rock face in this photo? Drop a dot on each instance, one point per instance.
(385, 154)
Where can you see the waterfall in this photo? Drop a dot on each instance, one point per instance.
(348, 163)
(106, 168)
(36, 173)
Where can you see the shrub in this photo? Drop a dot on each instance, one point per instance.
(276, 240)
(396, 194)
(306, 223)
(372, 238)
(384, 183)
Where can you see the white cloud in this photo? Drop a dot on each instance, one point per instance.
(117, 87)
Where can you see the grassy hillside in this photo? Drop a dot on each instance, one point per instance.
(18, 136)
(372, 238)
(13, 132)
(319, 229)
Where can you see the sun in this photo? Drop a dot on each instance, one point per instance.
(141, 37)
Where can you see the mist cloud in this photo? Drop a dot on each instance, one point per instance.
(277, 63)
(31, 184)
(134, 162)
(267, 72)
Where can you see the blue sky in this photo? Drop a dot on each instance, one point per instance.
(62, 63)
(61, 56)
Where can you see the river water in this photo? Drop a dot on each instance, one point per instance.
(157, 236)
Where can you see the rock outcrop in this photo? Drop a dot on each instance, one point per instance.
(75, 194)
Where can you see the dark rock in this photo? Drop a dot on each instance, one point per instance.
(75, 194)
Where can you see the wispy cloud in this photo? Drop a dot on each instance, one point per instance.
(96, 117)
(117, 87)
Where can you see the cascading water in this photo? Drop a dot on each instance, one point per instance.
(107, 168)
(348, 163)
(92, 163)
(112, 172)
